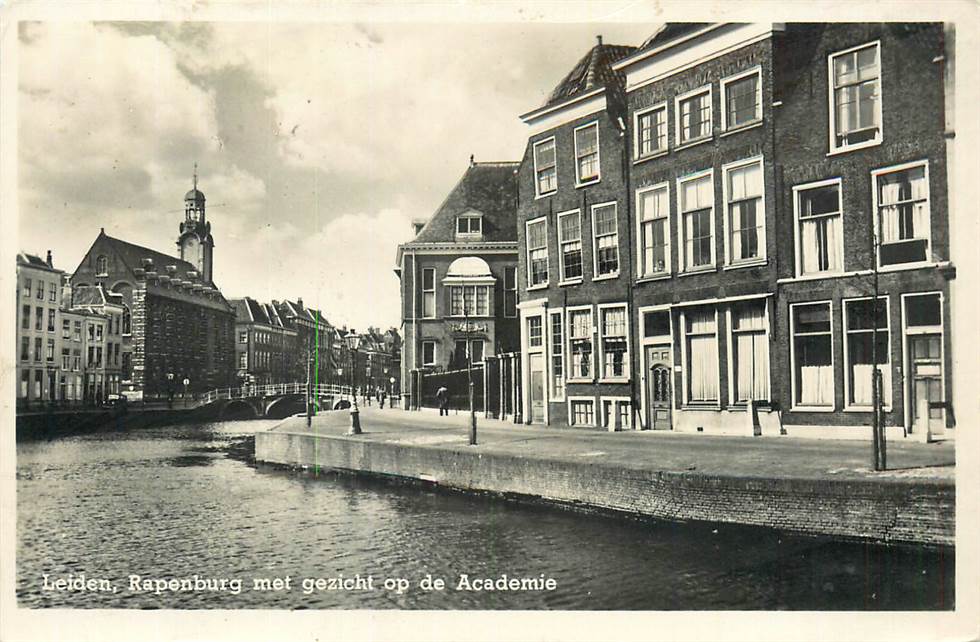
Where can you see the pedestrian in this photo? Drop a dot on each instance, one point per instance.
(442, 398)
(381, 398)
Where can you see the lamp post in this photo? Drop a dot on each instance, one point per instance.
(187, 382)
(170, 390)
(309, 388)
(353, 340)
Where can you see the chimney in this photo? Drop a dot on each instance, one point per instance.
(299, 301)
(472, 160)
(417, 225)
(48, 261)
(599, 39)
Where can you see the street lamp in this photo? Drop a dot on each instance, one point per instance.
(170, 390)
(353, 340)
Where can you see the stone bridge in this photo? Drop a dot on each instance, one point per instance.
(274, 401)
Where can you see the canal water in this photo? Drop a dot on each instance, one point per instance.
(184, 508)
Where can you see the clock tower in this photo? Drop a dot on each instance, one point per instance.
(195, 241)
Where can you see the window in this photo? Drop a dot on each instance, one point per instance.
(746, 215)
(65, 329)
(902, 199)
(98, 357)
(651, 131)
(25, 317)
(694, 121)
(580, 342)
(653, 211)
(466, 350)
(25, 348)
(40, 290)
(27, 287)
(49, 355)
(570, 241)
(701, 353)
(534, 338)
(243, 360)
(53, 293)
(750, 352)
(812, 354)
(243, 336)
(697, 202)
(582, 412)
(38, 318)
(77, 331)
(557, 357)
(545, 168)
(606, 238)
(855, 108)
(819, 240)
(469, 226)
(91, 331)
(65, 359)
(469, 300)
(476, 350)
(741, 99)
(861, 341)
(656, 325)
(615, 414)
(612, 342)
(428, 353)
(587, 154)
(537, 253)
(38, 382)
(76, 359)
(101, 266)
(510, 291)
(91, 357)
(25, 381)
(98, 332)
(428, 293)
(51, 323)
(126, 321)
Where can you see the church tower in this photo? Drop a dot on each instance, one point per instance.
(195, 241)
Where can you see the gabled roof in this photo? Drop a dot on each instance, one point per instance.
(487, 188)
(133, 255)
(593, 71)
(671, 31)
(88, 295)
(23, 258)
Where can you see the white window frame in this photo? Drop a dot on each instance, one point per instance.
(534, 152)
(760, 214)
(569, 313)
(640, 274)
(682, 244)
(798, 241)
(875, 175)
(595, 243)
(887, 379)
(435, 296)
(571, 400)
(725, 82)
(601, 355)
(908, 332)
(832, 121)
(792, 357)
(637, 142)
(600, 413)
(731, 332)
(553, 393)
(561, 248)
(685, 382)
(464, 314)
(435, 349)
(544, 332)
(598, 166)
(469, 218)
(678, 119)
(510, 289)
(541, 220)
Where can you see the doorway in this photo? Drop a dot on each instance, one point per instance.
(658, 388)
(926, 384)
(536, 388)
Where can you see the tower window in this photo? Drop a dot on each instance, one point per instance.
(101, 266)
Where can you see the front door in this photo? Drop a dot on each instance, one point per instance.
(536, 389)
(926, 384)
(658, 388)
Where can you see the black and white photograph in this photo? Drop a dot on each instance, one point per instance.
(490, 320)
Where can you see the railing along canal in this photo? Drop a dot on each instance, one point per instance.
(274, 390)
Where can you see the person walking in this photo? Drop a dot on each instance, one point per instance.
(442, 398)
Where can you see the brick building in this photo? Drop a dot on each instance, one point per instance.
(265, 348)
(315, 339)
(39, 341)
(574, 267)
(458, 275)
(102, 339)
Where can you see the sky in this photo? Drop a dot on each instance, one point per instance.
(316, 144)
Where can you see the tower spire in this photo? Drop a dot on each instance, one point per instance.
(195, 174)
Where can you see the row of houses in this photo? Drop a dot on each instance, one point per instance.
(728, 221)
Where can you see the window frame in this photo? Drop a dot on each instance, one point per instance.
(681, 228)
(640, 220)
(470, 234)
(734, 78)
(432, 291)
(727, 223)
(554, 393)
(875, 175)
(685, 365)
(571, 400)
(600, 354)
(795, 407)
(541, 220)
(596, 276)
(797, 236)
(638, 154)
(435, 357)
(616, 400)
(512, 289)
(463, 287)
(732, 333)
(569, 370)
(579, 181)
(562, 280)
(833, 148)
(886, 390)
(537, 170)
(679, 140)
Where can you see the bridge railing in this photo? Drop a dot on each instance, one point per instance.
(274, 390)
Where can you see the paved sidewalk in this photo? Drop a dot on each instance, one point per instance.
(744, 457)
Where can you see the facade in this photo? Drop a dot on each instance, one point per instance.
(102, 340)
(174, 319)
(314, 340)
(74, 369)
(265, 349)
(39, 338)
(574, 265)
(458, 275)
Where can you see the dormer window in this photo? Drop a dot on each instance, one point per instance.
(101, 266)
(469, 226)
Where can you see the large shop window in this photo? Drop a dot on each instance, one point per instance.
(903, 214)
(587, 153)
(746, 213)
(697, 201)
(819, 232)
(701, 335)
(469, 300)
(510, 291)
(695, 115)
(606, 239)
(613, 342)
(750, 344)
(537, 252)
(580, 341)
(855, 113)
(557, 357)
(651, 131)
(862, 341)
(654, 214)
(813, 369)
(428, 293)
(570, 238)
(545, 167)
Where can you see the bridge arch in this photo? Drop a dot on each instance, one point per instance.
(284, 406)
(237, 408)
